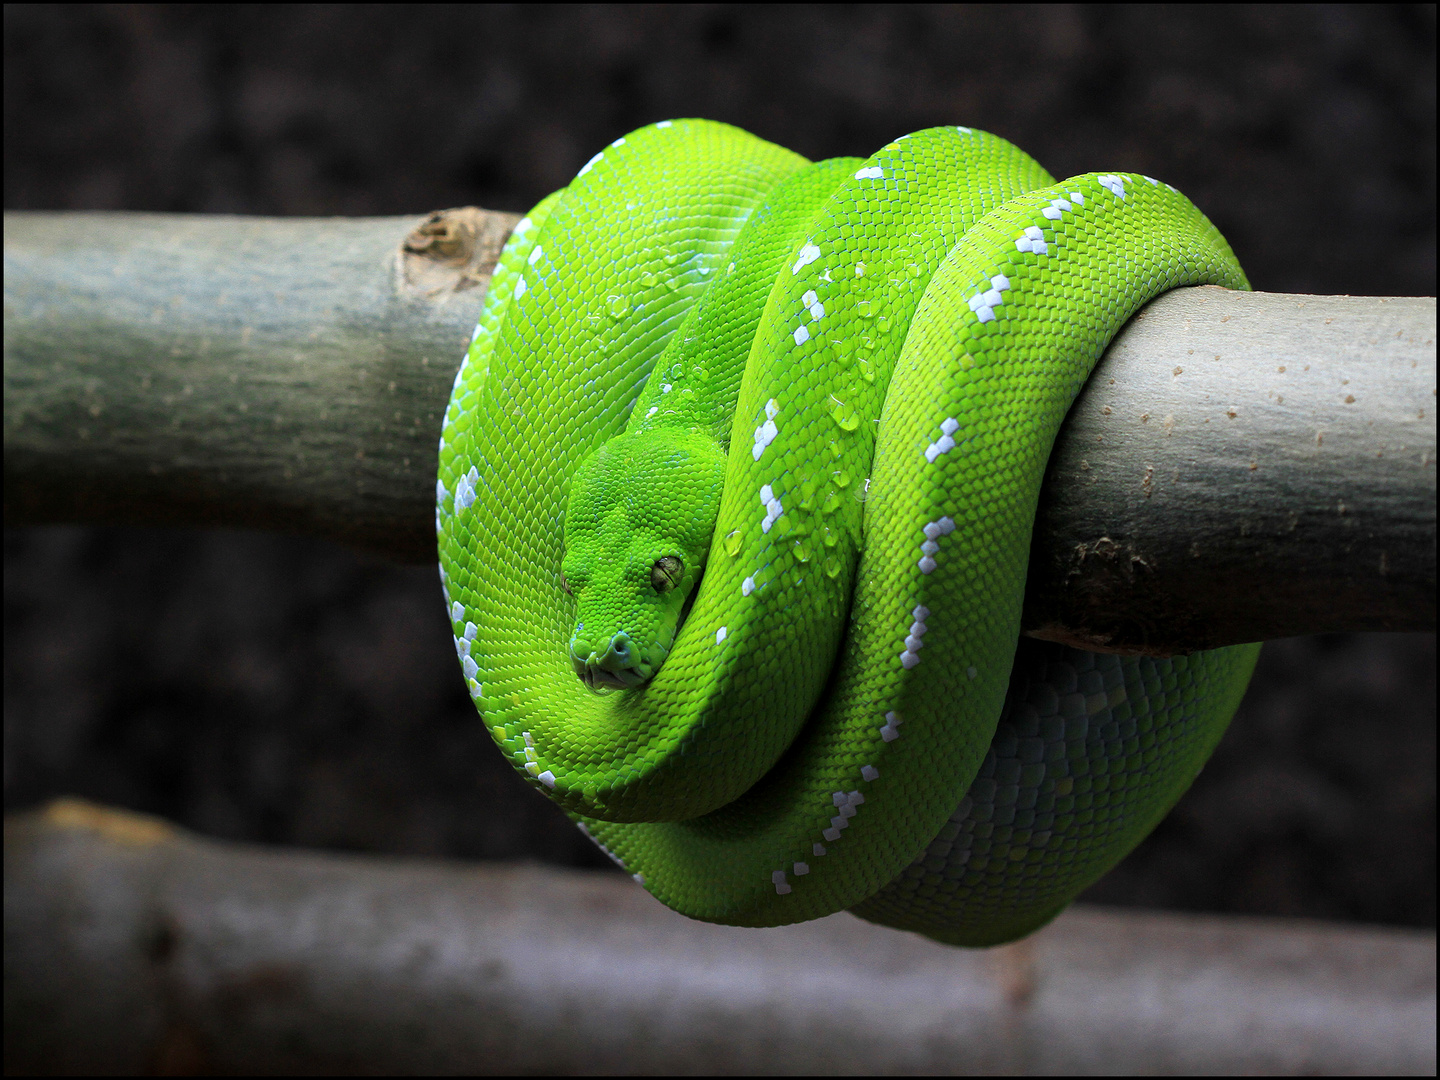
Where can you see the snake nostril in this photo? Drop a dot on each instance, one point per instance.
(620, 646)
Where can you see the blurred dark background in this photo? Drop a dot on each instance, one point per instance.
(279, 690)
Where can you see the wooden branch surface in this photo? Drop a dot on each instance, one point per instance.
(131, 946)
(1242, 466)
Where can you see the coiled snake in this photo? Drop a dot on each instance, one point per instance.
(734, 508)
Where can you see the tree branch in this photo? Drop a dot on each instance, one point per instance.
(131, 946)
(1242, 466)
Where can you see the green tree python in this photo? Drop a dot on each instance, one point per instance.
(734, 506)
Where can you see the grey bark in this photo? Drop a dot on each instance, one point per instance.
(133, 947)
(1241, 466)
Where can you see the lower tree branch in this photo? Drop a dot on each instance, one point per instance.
(133, 947)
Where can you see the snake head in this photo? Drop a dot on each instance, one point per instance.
(637, 532)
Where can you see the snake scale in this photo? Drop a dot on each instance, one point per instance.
(735, 497)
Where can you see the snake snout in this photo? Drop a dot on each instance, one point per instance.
(619, 667)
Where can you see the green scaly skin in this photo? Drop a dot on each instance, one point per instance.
(756, 445)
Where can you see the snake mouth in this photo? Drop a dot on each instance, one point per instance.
(602, 679)
(619, 665)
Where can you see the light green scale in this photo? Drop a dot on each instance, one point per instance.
(826, 394)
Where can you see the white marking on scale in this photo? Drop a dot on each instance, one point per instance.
(520, 288)
(547, 778)
(808, 254)
(535, 255)
(465, 489)
(1032, 239)
(869, 772)
(664, 123)
(778, 880)
(470, 631)
(1056, 208)
(619, 142)
(985, 302)
(801, 869)
(470, 668)
(914, 639)
(764, 436)
(817, 850)
(845, 802)
(802, 335)
(589, 164)
(1113, 184)
(457, 612)
(766, 432)
(653, 410)
(874, 172)
(721, 634)
(747, 586)
(773, 507)
(946, 442)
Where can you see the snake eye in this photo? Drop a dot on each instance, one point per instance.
(666, 573)
(565, 584)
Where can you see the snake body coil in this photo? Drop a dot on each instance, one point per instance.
(755, 445)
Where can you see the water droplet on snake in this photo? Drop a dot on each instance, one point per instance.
(618, 306)
(844, 414)
(732, 542)
(807, 493)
